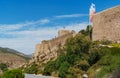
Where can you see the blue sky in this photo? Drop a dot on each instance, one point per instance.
(25, 23)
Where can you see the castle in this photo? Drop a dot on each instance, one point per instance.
(106, 25)
(48, 49)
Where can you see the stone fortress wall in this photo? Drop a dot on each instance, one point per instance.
(106, 25)
(47, 50)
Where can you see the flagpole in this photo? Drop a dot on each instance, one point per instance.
(92, 11)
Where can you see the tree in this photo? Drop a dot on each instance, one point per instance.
(78, 44)
(87, 31)
(64, 69)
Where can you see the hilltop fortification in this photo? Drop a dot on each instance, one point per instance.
(106, 25)
(47, 50)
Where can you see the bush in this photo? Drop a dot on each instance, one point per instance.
(63, 70)
(77, 45)
(15, 73)
(109, 61)
(33, 69)
(84, 65)
(3, 66)
(72, 58)
(60, 60)
(49, 68)
(95, 55)
(87, 32)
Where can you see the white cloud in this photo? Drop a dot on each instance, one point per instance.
(27, 39)
(44, 21)
(6, 27)
(71, 15)
(48, 32)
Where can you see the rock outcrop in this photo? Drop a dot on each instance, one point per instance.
(106, 25)
(47, 50)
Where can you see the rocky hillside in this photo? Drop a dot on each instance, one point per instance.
(47, 50)
(80, 56)
(12, 58)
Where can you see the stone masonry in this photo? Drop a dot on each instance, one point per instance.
(47, 50)
(106, 25)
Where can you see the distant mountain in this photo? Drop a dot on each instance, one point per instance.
(16, 52)
(30, 55)
(12, 58)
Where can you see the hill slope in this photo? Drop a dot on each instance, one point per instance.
(12, 58)
(81, 56)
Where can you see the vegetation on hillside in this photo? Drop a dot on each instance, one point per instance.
(3, 67)
(80, 55)
(7, 59)
(32, 69)
(15, 73)
(107, 64)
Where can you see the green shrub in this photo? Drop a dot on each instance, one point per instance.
(33, 69)
(109, 62)
(84, 65)
(102, 72)
(77, 44)
(3, 66)
(94, 54)
(49, 68)
(115, 45)
(63, 70)
(15, 73)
